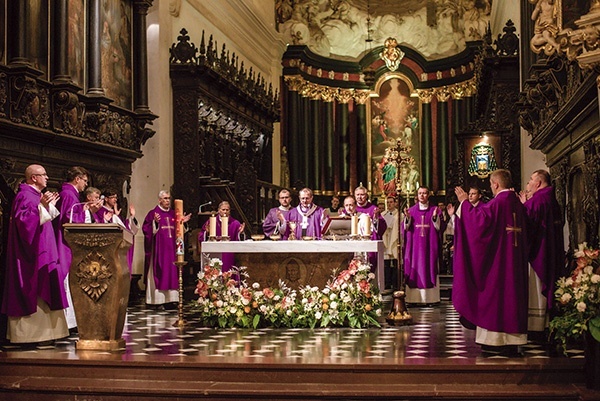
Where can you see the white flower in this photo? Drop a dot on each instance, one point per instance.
(371, 276)
(332, 296)
(565, 298)
(304, 301)
(245, 301)
(256, 286)
(318, 315)
(569, 281)
(581, 306)
(232, 309)
(344, 286)
(288, 312)
(588, 269)
(219, 303)
(276, 297)
(326, 290)
(263, 308)
(378, 312)
(333, 305)
(595, 278)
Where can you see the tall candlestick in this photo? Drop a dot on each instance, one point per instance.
(225, 226)
(212, 226)
(179, 246)
(354, 225)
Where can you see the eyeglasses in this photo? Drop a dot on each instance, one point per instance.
(40, 175)
(83, 179)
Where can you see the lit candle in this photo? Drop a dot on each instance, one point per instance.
(179, 248)
(212, 226)
(225, 226)
(354, 225)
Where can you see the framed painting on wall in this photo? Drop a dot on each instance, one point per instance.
(116, 52)
(394, 121)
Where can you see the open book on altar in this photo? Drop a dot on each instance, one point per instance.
(337, 225)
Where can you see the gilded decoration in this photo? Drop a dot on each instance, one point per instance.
(93, 275)
(391, 54)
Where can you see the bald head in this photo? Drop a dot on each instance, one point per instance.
(36, 175)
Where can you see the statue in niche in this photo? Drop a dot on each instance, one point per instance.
(546, 27)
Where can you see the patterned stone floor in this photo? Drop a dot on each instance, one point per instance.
(435, 334)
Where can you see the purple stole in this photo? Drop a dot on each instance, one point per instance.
(32, 268)
(314, 220)
(160, 249)
(233, 229)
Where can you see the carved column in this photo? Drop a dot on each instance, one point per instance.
(306, 144)
(59, 49)
(140, 54)
(443, 95)
(94, 63)
(342, 132)
(17, 26)
(425, 96)
(292, 127)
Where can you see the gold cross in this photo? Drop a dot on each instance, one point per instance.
(514, 228)
(422, 226)
(168, 227)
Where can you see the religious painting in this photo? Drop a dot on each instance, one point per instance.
(570, 11)
(394, 137)
(76, 41)
(116, 52)
(37, 39)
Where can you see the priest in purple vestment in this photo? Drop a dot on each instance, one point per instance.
(275, 220)
(421, 243)
(490, 288)
(364, 206)
(160, 272)
(307, 217)
(34, 295)
(110, 213)
(546, 247)
(72, 210)
(234, 231)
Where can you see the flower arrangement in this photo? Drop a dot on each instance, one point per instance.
(578, 298)
(225, 299)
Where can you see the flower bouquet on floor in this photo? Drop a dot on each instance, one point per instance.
(351, 298)
(578, 298)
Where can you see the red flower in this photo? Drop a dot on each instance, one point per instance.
(202, 289)
(268, 293)
(364, 286)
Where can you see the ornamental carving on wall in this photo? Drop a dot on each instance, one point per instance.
(93, 275)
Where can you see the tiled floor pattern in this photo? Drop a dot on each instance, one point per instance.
(435, 333)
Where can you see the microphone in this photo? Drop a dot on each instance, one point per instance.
(80, 203)
(202, 205)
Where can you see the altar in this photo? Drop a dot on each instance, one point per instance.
(297, 263)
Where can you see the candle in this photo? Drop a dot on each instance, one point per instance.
(225, 226)
(354, 225)
(212, 226)
(365, 225)
(179, 248)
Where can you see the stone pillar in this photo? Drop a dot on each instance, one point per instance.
(443, 95)
(140, 54)
(426, 96)
(59, 48)
(94, 63)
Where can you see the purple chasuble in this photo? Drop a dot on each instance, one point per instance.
(421, 246)
(32, 268)
(546, 242)
(270, 223)
(490, 287)
(159, 248)
(380, 223)
(69, 206)
(314, 217)
(233, 230)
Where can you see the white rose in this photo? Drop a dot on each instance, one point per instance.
(318, 315)
(233, 309)
(289, 312)
(263, 308)
(581, 306)
(304, 301)
(334, 305)
(326, 291)
(565, 298)
(219, 303)
(595, 278)
(333, 296)
(276, 297)
(256, 286)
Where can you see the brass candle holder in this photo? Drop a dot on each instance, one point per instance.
(180, 323)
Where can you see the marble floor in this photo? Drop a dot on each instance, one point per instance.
(435, 335)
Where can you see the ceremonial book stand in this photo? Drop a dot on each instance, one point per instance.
(99, 281)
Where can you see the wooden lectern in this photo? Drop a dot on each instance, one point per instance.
(99, 281)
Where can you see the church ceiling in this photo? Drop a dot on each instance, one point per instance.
(340, 29)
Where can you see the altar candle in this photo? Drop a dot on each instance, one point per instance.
(212, 226)
(365, 225)
(179, 248)
(225, 226)
(354, 225)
